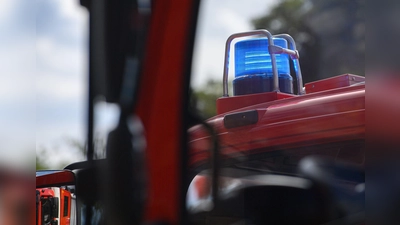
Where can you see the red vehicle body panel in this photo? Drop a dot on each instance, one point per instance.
(160, 93)
(65, 201)
(323, 117)
(64, 214)
(333, 82)
(228, 104)
(56, 178)
(43, 193)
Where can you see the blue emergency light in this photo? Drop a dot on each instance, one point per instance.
(253, 67)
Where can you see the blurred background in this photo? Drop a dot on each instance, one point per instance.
(17, 110)
(17, 84)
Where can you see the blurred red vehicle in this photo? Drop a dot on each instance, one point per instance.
(53, 206)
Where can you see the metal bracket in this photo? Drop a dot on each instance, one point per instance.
(273, 49)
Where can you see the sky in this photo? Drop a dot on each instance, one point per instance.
(218, 19)
(61, 78)
(60, 56)
(17, 84)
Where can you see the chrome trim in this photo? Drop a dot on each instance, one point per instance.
(292, 52)
(227, 50)
(295, 59)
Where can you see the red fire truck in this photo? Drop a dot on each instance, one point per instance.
(54, 206)
(265, 115)
(267, 138)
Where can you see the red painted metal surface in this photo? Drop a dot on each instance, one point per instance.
(330, 116)
(226, 104)
(344, 80)
(55, 179)
(63, 195)
(43, 192)
(46, 192)
(160, 106)
(65, 200)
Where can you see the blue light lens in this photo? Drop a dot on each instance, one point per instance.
(252, 57)
(253, 67)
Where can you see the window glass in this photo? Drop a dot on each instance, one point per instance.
(66, 199)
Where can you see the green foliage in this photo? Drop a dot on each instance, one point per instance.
(287, 16)
(43, 155)
(40, 165)
(204, 99)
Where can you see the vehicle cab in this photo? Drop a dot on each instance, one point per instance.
(268, 136)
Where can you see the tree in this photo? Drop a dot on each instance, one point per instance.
(330, 34)
(43, 155)
(40, 165)
(204, 99)
(99, 146)
(289, 16)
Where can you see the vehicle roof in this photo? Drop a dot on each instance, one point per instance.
(316, 118)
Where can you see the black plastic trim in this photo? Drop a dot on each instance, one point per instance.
(240, 119)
